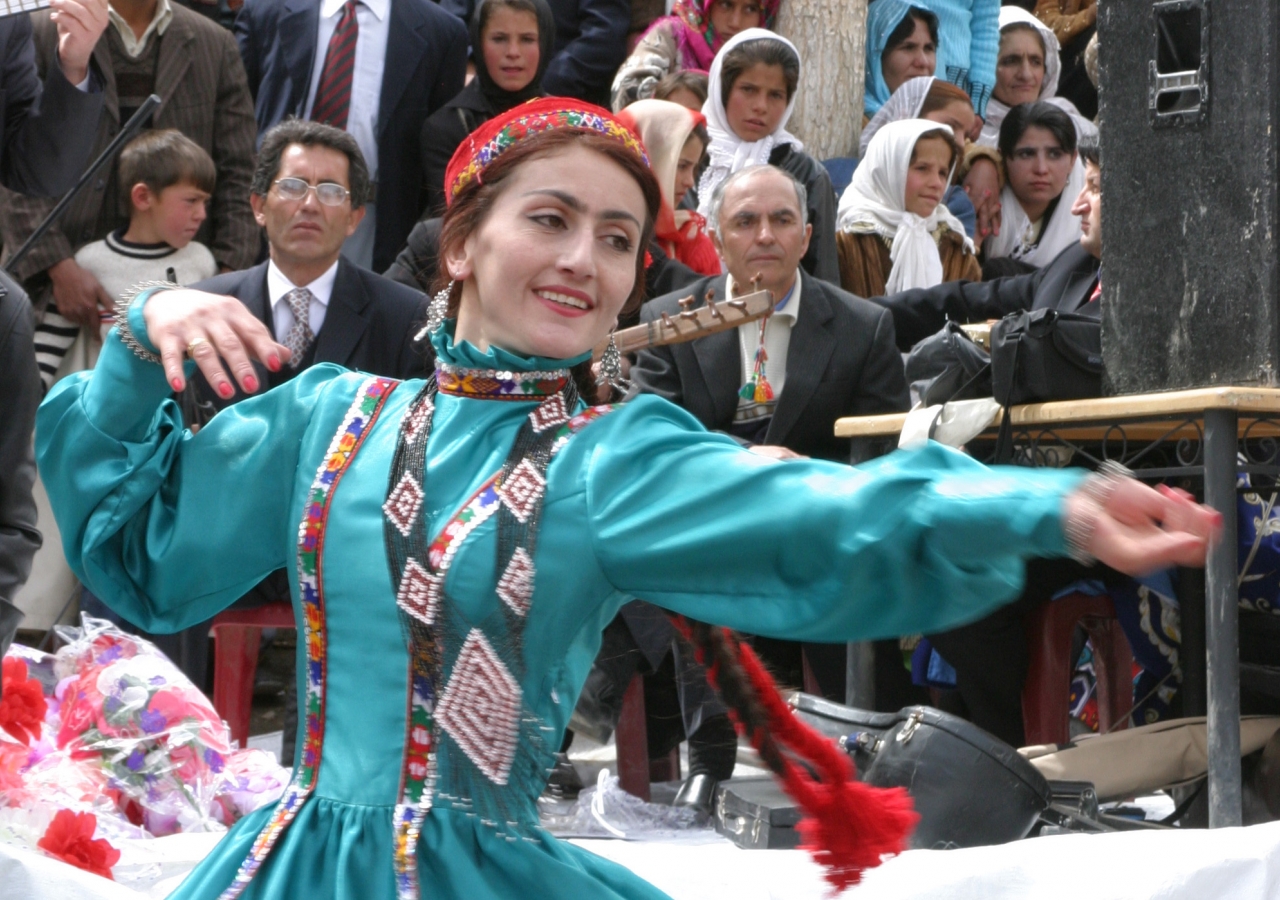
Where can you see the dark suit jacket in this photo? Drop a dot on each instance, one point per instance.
(369, 325)
(425, 66)
(1064, 284)
(47, 134)
(591, 42)
(202, 91)
(19, 397)
(842, 361)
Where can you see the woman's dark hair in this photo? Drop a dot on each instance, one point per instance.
(941, 95)
(487, 9)
(310, 134)
(941, 133)
(700, 132)
(684, 79)
(907, 27)
(762, 51)
(472, 204)
(1036, 115)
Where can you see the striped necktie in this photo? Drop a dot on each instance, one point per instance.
(333, 97)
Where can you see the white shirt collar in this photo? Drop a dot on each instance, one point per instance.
(379, 8)
(278, 284)
(132, 43)
(790, 311)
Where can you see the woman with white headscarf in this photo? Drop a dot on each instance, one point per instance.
(1027, 70)
(895, 233)
(750, 97)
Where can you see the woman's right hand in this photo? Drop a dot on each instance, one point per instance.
(982, 184)
(211, 329)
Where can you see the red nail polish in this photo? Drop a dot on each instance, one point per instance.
(250, 383)
(225, 390)
(273, 363)
(176, 384)
(1217, 519)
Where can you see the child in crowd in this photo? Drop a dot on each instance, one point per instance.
(894, 231)
(166, 180)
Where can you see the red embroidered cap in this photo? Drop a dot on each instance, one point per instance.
(501, 133)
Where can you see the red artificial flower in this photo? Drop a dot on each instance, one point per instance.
(22, 704)
(70, 839)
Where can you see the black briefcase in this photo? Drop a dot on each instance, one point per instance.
(970, 788)
(756, 814)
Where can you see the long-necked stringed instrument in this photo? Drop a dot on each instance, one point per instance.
(691, 323)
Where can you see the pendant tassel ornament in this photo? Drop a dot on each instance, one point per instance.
(436, 312)
(611, 368)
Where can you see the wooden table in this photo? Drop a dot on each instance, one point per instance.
(1195, 433)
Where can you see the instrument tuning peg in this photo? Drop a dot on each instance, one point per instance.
(686, 307)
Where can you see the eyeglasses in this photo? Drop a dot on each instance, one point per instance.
(327, 192)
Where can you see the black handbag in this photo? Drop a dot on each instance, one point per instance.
(1039, 356)
(948, 366)
(970, 788)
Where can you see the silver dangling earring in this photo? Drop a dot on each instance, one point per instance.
(435, 312)
(611, 368)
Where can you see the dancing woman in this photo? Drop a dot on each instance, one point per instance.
(457, 545)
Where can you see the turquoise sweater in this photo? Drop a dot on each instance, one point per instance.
(968, 43)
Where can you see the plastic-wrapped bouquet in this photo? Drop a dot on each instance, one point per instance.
(109, 738)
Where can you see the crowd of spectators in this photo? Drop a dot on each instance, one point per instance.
(300, 147)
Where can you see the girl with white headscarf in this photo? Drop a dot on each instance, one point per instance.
(894, 231)
(750, 96)
(1013, 18)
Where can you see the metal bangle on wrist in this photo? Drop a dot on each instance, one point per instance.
(1097, 488)
(125, 303)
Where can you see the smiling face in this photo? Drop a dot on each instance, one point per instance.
(1088, 207)
(552, 263)
(1019, 67)
(914, 57)
(511, 48)
(728, 17)
(927, 176)
(757, 102)
(760, 230)
(1038, 169)
(306, 232)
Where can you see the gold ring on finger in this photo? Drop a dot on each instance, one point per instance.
(191, 347)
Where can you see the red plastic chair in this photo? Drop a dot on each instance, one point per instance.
(1046, 696)
(236, 636)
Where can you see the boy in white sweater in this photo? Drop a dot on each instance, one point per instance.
(167, 180)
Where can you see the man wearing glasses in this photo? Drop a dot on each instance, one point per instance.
(308, 193)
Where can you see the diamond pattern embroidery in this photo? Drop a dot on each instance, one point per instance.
(418, 416)
(549, 413)
(403, 504)
(522, 491)
(515, 587)
(419, 593)
(480, 708)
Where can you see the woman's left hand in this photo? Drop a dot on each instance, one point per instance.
(1138, 529)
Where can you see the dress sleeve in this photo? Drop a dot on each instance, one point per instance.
(917, 541)
(166, 526)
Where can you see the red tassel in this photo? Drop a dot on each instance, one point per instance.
(848, 826)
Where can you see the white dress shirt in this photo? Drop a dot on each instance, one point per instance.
(374, 20)
(777, 340)
(278, 285)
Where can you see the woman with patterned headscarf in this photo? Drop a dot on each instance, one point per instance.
(689, 38)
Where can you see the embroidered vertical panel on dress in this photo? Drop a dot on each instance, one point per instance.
(364, 410)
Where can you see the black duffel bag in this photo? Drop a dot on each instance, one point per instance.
(1045, 355)
(970, 788)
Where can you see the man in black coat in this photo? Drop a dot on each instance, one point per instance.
(46, 139)
(49, 128)
(830, 354)
(423, 66)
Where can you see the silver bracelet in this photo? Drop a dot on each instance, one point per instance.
(125, 303)
(1097, 488)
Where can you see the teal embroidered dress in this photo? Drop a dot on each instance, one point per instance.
(170, 527)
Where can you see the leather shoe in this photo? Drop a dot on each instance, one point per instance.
(698, 792)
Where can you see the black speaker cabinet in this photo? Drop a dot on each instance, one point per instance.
(1188, 114)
